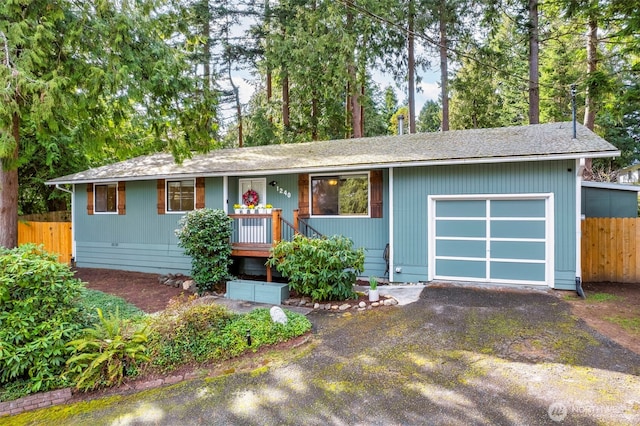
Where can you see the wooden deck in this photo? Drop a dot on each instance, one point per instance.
(255, 234)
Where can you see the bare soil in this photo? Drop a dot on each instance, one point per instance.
(140, 289)
(597, 314)
(144, 291)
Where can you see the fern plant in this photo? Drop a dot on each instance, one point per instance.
(106, 353)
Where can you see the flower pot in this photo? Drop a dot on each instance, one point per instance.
(243, 211)
(261, 211)
(237, 211)
(374, 295)
(268, 211)
(252, 211)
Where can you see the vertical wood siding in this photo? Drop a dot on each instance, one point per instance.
(412, 186)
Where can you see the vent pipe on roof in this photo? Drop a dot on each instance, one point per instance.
(401, 124)
(573, 108)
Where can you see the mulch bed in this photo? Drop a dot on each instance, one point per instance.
(138, 288)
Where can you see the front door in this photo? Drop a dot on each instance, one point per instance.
(252, 230)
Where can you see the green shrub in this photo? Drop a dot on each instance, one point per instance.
(38, 316)
(187, 333)
(205, 236)
(106, 353)
(232, 340)
(322, 268)
(179, 334)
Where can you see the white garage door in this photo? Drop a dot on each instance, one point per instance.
(492, 238)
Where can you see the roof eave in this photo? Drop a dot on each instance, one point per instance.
(349, 167)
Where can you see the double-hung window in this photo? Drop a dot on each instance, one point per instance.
(340, 195)
(180, 195)
(105, 198)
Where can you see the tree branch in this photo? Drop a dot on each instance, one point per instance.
(5, 44)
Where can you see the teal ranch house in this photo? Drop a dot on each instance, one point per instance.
(496, 205)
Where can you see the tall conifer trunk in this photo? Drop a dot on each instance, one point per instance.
(9, 191)
(411, 64)
(534, 85)
(444, 71)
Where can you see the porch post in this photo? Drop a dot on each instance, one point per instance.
(276, 226)
(296, 223)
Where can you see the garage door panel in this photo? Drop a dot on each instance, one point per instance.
(518, 229)
(525, 250)
(511, 243)
(461, 268)
(461, 208)
(517, 271)
(458, 248)
(518, 208)
(461, 228)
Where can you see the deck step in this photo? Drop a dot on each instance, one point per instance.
(258, 291)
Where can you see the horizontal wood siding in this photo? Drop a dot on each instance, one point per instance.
(133, 257)
(412, 186)
(54, 236)
(609, 250)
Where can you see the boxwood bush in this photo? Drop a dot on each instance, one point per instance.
(38, 316)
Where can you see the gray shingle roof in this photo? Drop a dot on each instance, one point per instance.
(523, 143)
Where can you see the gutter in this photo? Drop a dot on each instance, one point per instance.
(345, 167)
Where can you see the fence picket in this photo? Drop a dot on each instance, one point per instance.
(609, 248)
(54, 236)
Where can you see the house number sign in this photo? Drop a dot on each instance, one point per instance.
(281, 190)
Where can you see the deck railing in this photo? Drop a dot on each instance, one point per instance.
(259, 232)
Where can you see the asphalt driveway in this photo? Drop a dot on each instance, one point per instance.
(456, 356)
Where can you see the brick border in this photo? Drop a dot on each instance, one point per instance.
(32, 402)
(60, 396)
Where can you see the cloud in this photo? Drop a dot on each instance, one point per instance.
(430, 91)
(244, 88)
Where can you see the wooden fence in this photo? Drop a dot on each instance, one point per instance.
(609, 247)
(55, 236)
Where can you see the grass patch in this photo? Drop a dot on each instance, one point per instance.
(92, 299)
(603, 297)
(630, 324)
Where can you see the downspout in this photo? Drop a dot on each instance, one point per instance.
(391, 229)
(73, 219)
(579, 169)
(225, 194)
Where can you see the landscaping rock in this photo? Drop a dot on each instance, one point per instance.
(362, 304)
(278, 315)
(344, 307)
(189, 285)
